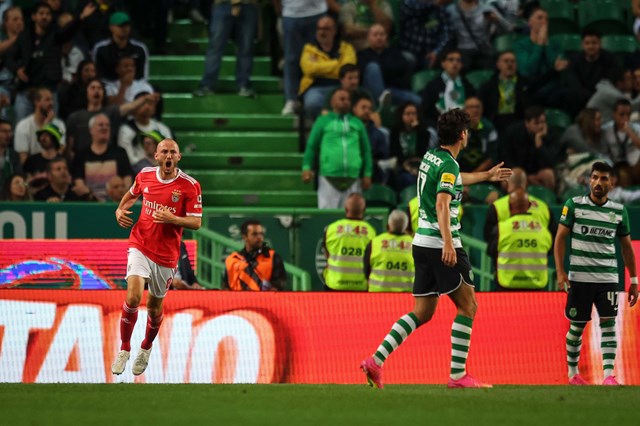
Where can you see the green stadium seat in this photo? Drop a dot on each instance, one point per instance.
(557, 118)
(618, 43)
(605, 16)
(479, 191)
(408, 194)
(479, 77)
(420, 79)
(562, 16)
(505, 41)
(387, 116)
(573, 192)
(545, 194)
(568, 42)
(380, 196)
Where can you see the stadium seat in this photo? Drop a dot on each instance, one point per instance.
(557, 118)
(618, 43)
(605, 16)
(479, 77)
(546, 195)
(568, 42)
(420, 79)
(573, 192)
(478, 192)
(380, 196)
(505, 41)
(562, 16)
(408, 194)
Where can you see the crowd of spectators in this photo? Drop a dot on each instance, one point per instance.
(514, 112)
(400, 62)
(77, 110)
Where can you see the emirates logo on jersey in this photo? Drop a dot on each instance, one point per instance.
(175, 195)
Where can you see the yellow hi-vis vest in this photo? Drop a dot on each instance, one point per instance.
(414, 205)
(523, 248)
(538, 208)
(346, 241)
(391, 261)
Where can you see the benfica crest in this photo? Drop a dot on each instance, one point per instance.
(175, 195)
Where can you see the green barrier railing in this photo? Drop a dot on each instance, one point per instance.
(483, 273)
(213, 248)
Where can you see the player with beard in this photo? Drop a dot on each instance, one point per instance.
(594, 222)
(171, 201)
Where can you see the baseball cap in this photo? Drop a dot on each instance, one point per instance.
(53, 130)
(119, 18)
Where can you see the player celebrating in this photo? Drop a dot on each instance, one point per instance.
(441, 264)
(171, 200)
(593, 222)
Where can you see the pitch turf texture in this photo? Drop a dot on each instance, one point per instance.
(199, 405)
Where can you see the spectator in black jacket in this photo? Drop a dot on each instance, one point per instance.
(505, 95)
(385, 70)
(107, 52)
(589, 66)
(448, 91)
(96, 27)
(409, 141)
(527, 145)
(37, 60)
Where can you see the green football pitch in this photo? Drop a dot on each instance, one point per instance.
(404, 405)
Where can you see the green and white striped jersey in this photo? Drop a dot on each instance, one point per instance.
(439, 172)
(594, 230)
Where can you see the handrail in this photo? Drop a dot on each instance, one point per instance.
(213, 248)
(484, 271)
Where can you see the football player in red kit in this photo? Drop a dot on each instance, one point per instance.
(171, 201)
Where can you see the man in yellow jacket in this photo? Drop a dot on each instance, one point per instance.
(320, 63)
(388, 260)
(345, 241)
(521, 245)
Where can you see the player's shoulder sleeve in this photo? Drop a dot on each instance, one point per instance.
(193, 198)
(447, 175)
(136, 187)
(568, 213)
(624, 227)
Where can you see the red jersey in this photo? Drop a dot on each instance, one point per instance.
(160, 242)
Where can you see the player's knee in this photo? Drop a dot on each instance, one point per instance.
(154, 311)
(469, 309)
(133, 300)
(423, 315)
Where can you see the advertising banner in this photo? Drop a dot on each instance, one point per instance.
(77, 264)
(225, 337)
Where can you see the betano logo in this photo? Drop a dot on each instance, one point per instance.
(76, 343)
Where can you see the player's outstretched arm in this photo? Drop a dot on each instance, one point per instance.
(629, 258)
(163, 215)
(495, 174)
(123, 212)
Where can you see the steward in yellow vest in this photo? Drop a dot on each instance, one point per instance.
(345, 241)
(522, 247)
(499, 210)
(388, 259)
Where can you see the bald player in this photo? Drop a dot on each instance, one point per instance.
(171, 201)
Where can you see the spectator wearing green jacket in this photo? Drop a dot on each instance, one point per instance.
(539, 59)
(339, 146)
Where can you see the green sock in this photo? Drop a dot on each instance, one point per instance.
(608, 345)
(574, 344)
(460, 341)
(398, 334)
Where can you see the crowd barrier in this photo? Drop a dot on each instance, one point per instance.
(223, 337)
